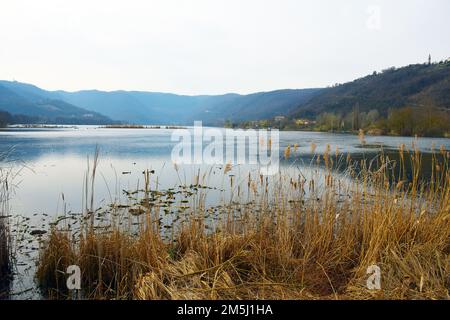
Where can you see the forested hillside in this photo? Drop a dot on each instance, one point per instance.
(416, 85)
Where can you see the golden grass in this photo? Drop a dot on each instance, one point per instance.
(294, 241)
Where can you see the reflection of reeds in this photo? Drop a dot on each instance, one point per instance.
(284, 244)
(313, 147)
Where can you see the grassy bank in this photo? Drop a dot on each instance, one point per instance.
(286, 238)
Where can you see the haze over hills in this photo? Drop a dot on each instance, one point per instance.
(415, 85)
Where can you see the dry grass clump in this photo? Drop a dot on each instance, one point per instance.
(109, 262)
(54, 260)
(291, 242)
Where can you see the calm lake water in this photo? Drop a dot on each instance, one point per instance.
(53, 161)
(53, 164)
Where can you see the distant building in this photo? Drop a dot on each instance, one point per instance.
(303, 122)
(280, 118)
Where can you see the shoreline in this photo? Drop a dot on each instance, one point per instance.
(369, 132)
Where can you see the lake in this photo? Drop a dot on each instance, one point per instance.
(53, 161)
(51, 165)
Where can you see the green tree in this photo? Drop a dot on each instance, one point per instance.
(401, 121)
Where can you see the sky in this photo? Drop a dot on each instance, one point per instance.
(214, 46)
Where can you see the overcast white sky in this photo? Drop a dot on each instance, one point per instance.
(214, 46)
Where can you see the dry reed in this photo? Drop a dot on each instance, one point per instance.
(291, 242)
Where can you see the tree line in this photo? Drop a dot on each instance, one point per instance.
(406, 121)
(7, 118)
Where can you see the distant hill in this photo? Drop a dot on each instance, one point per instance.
(416, 85)
(256, 106)
(38, 105)
(153, 107)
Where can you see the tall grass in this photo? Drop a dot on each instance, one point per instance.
(5, 250)
(287, 238)
(5, 235)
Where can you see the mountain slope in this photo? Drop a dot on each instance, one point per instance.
(154, 107)
(28, 100)
(415, 85)
(135, 107)
(27, 91)
(257, 106)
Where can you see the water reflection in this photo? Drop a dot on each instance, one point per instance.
(56, 161)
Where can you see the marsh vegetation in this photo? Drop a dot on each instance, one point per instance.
(5, 234)
(284, 237)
